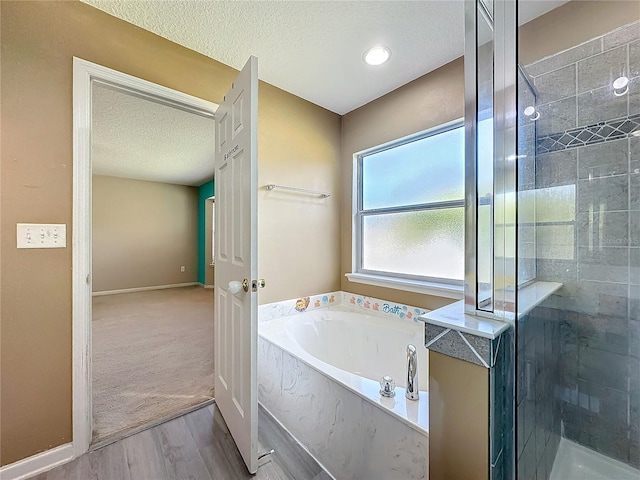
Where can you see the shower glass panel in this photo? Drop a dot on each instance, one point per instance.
(578, 224)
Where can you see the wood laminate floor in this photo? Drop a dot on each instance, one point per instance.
(195, 446)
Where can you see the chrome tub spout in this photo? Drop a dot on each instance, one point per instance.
(412, 392)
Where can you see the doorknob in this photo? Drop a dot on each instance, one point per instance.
(257, 283)
(236, 287)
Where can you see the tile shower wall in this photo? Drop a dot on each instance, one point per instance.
(588, 237)
(537, 342)
(538, 408)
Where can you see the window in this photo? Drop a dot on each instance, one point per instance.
(409, 209)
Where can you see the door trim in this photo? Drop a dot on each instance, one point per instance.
(84, 73)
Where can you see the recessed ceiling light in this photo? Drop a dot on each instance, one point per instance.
(377, 55)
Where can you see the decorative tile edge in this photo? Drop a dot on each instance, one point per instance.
(494, 351)
(470, 352)
(449, 343)
(437, 337)
(383, 307)
(607, 131)
(475, 352)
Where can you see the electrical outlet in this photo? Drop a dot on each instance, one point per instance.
(183, 268)
(41, 235)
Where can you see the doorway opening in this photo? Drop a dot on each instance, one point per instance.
(140, 309)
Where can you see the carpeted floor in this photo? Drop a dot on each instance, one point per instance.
(152, 356)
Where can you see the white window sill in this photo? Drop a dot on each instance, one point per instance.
(417, 286)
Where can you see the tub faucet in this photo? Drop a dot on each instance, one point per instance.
(412, 392)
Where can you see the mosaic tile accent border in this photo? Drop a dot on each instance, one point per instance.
(461, 345)
(368, 304)
(596, 133)
(384, 307)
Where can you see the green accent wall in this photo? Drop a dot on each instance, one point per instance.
(204, 191)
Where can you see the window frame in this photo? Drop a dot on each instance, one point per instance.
(422, 283)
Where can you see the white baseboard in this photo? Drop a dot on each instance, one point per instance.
(209, 286)
(143, 289)
(41, 462)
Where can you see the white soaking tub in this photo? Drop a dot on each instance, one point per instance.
(318, 375)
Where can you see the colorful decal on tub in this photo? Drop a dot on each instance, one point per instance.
(394, 309)
(302, 304)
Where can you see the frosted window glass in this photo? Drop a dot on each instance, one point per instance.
(427, 243)
(423, 171)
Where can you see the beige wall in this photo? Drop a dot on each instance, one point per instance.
(143, 232)
(458, 419)
(299, 235)
(431, 100)
(298, 143)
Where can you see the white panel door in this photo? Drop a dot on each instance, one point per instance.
(236, 324)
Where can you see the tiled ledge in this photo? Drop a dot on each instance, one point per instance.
(452, 316)
(451, 331)
(534, 294)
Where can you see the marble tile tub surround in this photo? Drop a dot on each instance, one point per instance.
(371, 305)
(576, 98)
(349, 436)
(593, 248)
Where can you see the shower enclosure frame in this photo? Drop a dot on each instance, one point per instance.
(503, 17)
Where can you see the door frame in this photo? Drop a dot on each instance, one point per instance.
(84, 73)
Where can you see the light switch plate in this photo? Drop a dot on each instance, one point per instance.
(41, 235)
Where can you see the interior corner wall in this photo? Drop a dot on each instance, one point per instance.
(298, 235)
(426, 102)
(298, 144)
(143, 232)
(205, 191)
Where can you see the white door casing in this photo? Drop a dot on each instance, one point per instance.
(84, 74)
(236, 324)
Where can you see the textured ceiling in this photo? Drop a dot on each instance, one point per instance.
(314, 49)
(137, 138)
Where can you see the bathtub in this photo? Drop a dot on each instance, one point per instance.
(318, 375)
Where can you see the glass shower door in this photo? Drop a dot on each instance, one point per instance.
(578, 352)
